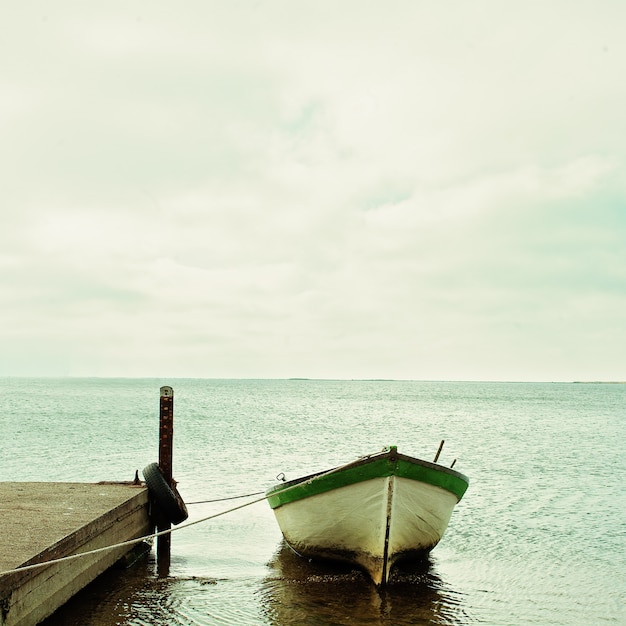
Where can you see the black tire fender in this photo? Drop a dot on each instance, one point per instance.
(166, 498)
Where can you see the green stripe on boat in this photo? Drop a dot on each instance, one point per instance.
(390, 463)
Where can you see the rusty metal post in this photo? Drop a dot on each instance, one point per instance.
(166, 432)
(166, 447)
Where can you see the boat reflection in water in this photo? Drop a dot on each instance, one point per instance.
(319, 592)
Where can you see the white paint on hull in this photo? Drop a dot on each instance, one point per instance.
(350, 523)
(419, 517)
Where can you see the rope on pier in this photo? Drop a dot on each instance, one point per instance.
(132, 542)
(128, 543)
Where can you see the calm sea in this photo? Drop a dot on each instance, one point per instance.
(540, 537)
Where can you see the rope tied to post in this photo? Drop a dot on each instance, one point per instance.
(145, 538)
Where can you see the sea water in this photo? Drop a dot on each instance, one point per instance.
(539, 538)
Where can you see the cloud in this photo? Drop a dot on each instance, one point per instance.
(414, 191)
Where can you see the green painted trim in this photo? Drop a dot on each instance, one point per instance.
(389, 463)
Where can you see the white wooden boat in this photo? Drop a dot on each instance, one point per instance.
(373, 512)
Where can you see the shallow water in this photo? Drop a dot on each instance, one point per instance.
(539, 538)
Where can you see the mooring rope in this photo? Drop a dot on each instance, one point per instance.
(132, 542)
(245, 495)
(128, 543)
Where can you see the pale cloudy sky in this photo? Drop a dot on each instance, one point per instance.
(418, 189)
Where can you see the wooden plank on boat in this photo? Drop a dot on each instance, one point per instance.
(44, 521)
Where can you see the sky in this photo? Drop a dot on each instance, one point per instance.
(410, 189)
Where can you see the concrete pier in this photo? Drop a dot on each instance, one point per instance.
(44, 521)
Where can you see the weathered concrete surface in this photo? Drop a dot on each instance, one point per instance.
(44, 521)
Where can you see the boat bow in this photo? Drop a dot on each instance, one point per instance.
(373, 511)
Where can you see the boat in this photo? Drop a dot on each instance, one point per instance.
(373, 512)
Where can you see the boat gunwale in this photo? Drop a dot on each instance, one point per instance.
(389, 463)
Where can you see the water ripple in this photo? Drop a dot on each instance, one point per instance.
(195, 602)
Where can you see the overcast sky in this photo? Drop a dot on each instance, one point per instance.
(403, 189)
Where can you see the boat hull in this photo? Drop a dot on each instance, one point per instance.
(373, 513)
